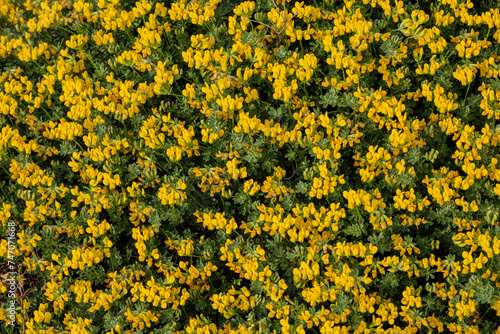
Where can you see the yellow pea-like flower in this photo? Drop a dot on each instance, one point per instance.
(77, 42)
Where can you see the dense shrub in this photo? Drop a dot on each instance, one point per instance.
(214, 166)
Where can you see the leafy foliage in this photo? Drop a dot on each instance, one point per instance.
(240, 167)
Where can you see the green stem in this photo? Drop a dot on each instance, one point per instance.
(485, 314)
(176, 95)
(184, 310)
(112, 263)
(93, 270)
(129, 35)
(320, 71)
(77, 143)
(71, 32)
(90, 58)
(124, 126)
(36, 63)
(194, 255)
(223, 203)
(179, 88)
(210, 282)
(4, 195)
(467, 92)
(197, 202)
(177, 162)
(46, 112)
(359, 215)
(188, 80)
(164, 58)
(305, 91)
(446, 56)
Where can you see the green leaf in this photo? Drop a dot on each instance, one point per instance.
(302, 188)
(330, 98)
(252, 157)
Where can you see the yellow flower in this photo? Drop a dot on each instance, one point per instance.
(183, 247)
(201, 42)
(251, 187)
(141, 8)
(233, 171)
(244, 9)
(148, 39)
(442, 19)
(464, 75)
(103, 39)
(40, 316)
(77, 42)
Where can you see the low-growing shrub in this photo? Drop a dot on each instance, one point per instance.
(213, 166)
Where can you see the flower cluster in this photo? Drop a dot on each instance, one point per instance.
(210, 166)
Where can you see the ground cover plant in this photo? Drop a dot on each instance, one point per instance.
(212, 166)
